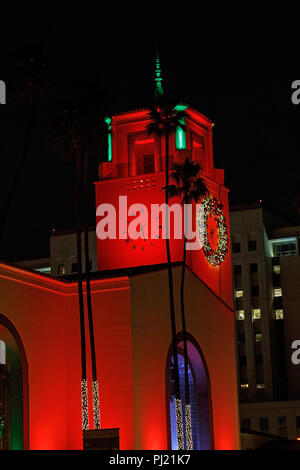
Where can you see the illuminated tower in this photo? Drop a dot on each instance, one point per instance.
(135, 169)
(130, 295)
(135, 173)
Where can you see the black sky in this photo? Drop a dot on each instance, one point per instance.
(235, 66)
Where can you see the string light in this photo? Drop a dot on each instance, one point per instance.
(188, 423)
(2, 425)
(179, 424)
(213, 207)
(84, 405)
(96, 407)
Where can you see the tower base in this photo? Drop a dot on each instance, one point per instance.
(101, 439)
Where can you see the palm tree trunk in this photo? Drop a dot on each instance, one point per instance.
(95, 388)
(31, 124)
(84, 394)
(178, 404)
(188, 423)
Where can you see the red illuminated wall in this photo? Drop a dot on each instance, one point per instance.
(120, 177)
(131, 315)
(44, 313)
(132, 336)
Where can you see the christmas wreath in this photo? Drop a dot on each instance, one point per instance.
(214, 208)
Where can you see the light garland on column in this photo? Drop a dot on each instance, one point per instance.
(96, 405)
(179, 424)
(188, 423)
(2, 426)
(84, 405)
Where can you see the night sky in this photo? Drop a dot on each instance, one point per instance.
(234, 66)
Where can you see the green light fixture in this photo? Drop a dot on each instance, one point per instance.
(180, 133)
(109, 138)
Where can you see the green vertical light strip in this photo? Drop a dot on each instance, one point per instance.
(109, 138)
(180, 137)
(158, 78)
(180, 134)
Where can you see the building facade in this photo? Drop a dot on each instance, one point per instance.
(266, 276)
(40, 329)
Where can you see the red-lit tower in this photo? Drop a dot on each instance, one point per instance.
(39, 314)
(135, 169)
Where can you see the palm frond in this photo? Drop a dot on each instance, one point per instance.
(186, 183)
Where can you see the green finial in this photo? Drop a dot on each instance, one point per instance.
(158, 78)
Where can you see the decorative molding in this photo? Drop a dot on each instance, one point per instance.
(40, 281)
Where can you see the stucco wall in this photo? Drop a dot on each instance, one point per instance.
(211, 323)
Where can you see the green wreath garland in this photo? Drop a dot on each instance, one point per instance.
(214, 207)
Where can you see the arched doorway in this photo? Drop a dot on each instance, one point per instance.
(199, 387)
(13, 388)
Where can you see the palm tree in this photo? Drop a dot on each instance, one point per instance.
(95, 388)
(84, 386)
(191, 188)
(82, 129)
(164, 120)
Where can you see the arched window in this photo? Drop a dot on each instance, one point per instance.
(199, 389)
(13, 388)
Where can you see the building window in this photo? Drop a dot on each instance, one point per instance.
(258, 337)
(241, 337)
(279, 314)
(276, 281)
(253, 268)
(74, 268)
(282, 426)
(259, 360)
(277, 303)
(284, 248)
(256, 314)
(244, 385)
(276, 269)
(278, 292)
(260, 386)
(243, 361)
(255, 291)
(264, 424)
(2, 353)
(149, 163)
(237, 269)
(198, 146)
(141, 154)
(236, 247)
(241, 315)
(246, 424)
(61, 269)
(239, 293)
(251, 245)
(198, 382)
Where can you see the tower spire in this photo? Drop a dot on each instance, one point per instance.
(158, 78)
